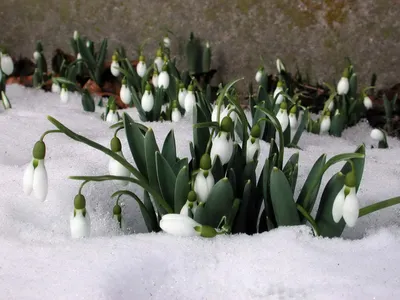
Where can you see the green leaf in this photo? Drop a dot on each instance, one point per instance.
(217, 169)
(166, 179)
(218, 205)
(169, 148)
(282, 200)
(179, 165)
(201, 136)
(150, 208)
(300, 129)
(327, 226)
(87, 101)
(137, 103)
(337, 125)
(136, 143)
(240, 224)
(378, 206)
(206, 125)
(102, 54)
(230, 219)
(358, 162)
(150, 150)
(158, 102)
(182, 189)
(230, 174)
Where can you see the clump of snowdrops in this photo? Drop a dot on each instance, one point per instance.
(6, 69)
(216, 190)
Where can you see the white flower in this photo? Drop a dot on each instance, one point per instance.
(78, 56)
(185, 209)
(147, 100)
(154, 79)
(280, 66)
(190, 100)
(343, 84)
(253, 146)
(76, 35)
(80, 224)
(116, 169)
(176, 115)
(283, 118)
(7, 64)
(367, 102)
(115, 68)
(214, 114)
(87, 44)
(278, 97)
(259, 75)
(331, 105)
(179, 225)
(159, 62)
(35, 179)
(112, 117)
(181, 95)
(222, 146)
(351, 208)
(325, 124)
(203, 184)
(229, 110)
(36, 56)
(55, 88)
(163, 79)
(141, 67)
(337, 208)
(167, 42)
(292, 121)
(64, 95)
(125, 94)
(377, 135)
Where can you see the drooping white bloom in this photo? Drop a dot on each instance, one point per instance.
(282, 116)
(116, 169)
(7, 64)
(35, 179)
(115, 68)
(163, 79)
(229, 110)
(222, 146)
(214, 114)
(80, 224)
(176, 115)
(259, 74)
(159, 62)
(112, 117)
(55, 88)
(337, 208)
(203, 184)
(147, 101)
(36, 56)
(377, 135)
(292, 121)
(367, 102)
(64, 95)
(182, 95)
(343, 85)
(280, 66)
(154, 79)
(141, 67)
(78, 56)
(278, 97)
(167, 42)
(76, 35)
(179, 225)
(325, 124)
(125, 93)
(351, 208)
(190, 100)
(253, 147)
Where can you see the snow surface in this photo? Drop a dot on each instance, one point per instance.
(39, 260)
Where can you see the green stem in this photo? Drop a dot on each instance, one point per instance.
(81, 187)
(118, 129)
(309, 218)
(209, 141)
(377, 206)
(47, 132)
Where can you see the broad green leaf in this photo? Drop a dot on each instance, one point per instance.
(179, 165)
(150, 150)
(240, 223)
(87, 101)
(169, 148)
(378, 206)
(182, 189)
(150, 208)
(217, 170)
(166, 179)
(230, 219)
(300, 129)
(282, 200)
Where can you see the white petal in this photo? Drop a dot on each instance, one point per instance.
(251, 149)
(64, 96)
(343, 86)
(40, 184)
(141, 68)
(201, 187)
(147, 101)
(36, 56)
(116, 169)
(114, 68)
(279, 65)
(154, 80)
(292, 121)
(179, 225)
(210, 181)
(28, 178)
(325, 125)
(7, 65)
(283, 119)
(222, 147)
(367, 102)
(181, 97)
(163, 80)
(176, 115)
(337, 208)
(190, 101)
(159, 63)
(377, 135)
(112, 117)
(280, 97)
(185, 209)
(55, 88)
(167, 42)
(351, 208)
(258, 76)
(125, 94)
(331, 105)
(80, 225)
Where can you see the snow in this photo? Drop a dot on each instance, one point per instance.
(39, 260)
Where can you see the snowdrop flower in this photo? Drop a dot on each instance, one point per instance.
(184, 226)
(154, 79)
(115, 66)
(229, 111)
(280, 66)
(282, 116)
(147, 99)
(190, 206)
(64, 94)
(190, 100)
(80, 221)
(380, 136)
(325, 123)
(222, 144)
(76, 35)
(214, 114)
(182, 94)
(278, 97)
(331, 105)
(367, 102)
(55, 87)
(346, 203)
(7, 64)
(114, 167)
(79, 56)
(163, 78)
(112, 115)
(125, 93)
(87, 44)
(343, 84)
(158, 61)
(253, 144)
(293, 118)
(259, 74)
(117, 215)
(167, 41)
(141, 67)
(5, 100)
(204, 180)
(35, 176)
(176, 115)
(36, 56)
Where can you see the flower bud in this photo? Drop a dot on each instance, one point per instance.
(205, 162)
(79, 202)
(39, 150)
(115, 144)
(227, 124)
